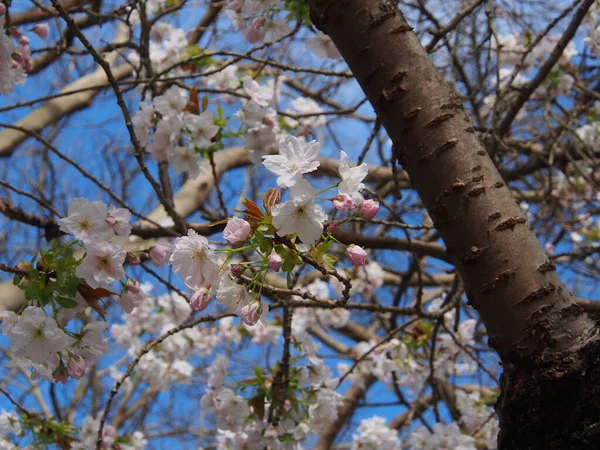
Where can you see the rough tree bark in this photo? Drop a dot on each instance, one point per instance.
(548, 345)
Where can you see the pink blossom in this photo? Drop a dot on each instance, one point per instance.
(251, 313)
(237, 230)
(76, 368)
(201, 299)
(368, 209)
(255, 32)
(160, 254)
(275, 262)
(2, 8)
(132, 296)
(237, 269)
(133, 259)
(343, 202)
(41, 30)
(356, 255)
(110, 221)
(133, 286)
(333, 226)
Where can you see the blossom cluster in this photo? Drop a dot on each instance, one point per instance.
(518, 62)
(15, 60)
(168, 116)
(258, 21)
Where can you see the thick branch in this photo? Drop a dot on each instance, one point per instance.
(523, 303)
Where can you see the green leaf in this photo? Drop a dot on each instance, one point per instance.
(66, 302)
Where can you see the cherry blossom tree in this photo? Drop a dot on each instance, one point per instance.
(286, 224)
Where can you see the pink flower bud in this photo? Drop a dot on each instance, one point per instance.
(160, 254)
(24, 40)
(255, 32)
(133, 286)
(237, 230)
(201, 299)
(356, 255)
(251, 313)
(343, 202)
(237, 269)
(76, 368)
(24, 265)
(110, 221)
(41, 30)
(369, 208)
(333, 226)
(275, 262)
(16, 32)
(2, 8)
(133, 259)
(268, 121)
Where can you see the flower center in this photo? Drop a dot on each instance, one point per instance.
(102, 263)
(85, 225)
(198, 255)
(37, 334)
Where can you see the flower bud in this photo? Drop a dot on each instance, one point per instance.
(271, 198)
(160, 254)
(275, 262)
(76, 368)
(369, 208)
(251, 312)
(133, 286)
(41, 30)
(333, 226)
(201, 299)
(237, 269)
(237, 230)
(356, 255)
(343, 202)
(110, 221)
(24, 265)
(133, 259)
(2, 8)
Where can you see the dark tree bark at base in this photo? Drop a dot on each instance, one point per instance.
(552, 405)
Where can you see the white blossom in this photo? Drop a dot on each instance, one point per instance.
(142, 122)
(324, 410)
(184, 159)
(374, 434)
(195, 261)
(295, 158)
(300, 214)
(86, 221)
(37, 335)
(171, 103)
(322, 46)
(202, 127)
(103, 264)
(352, 178)
(303, 106)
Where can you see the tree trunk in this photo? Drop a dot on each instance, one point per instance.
(548, 345)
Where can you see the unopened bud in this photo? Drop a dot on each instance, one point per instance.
(368, 209)
(133, 259)
(201, 299)
(41, 30)
(275, 262)
(271, 198)
(237, 269)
